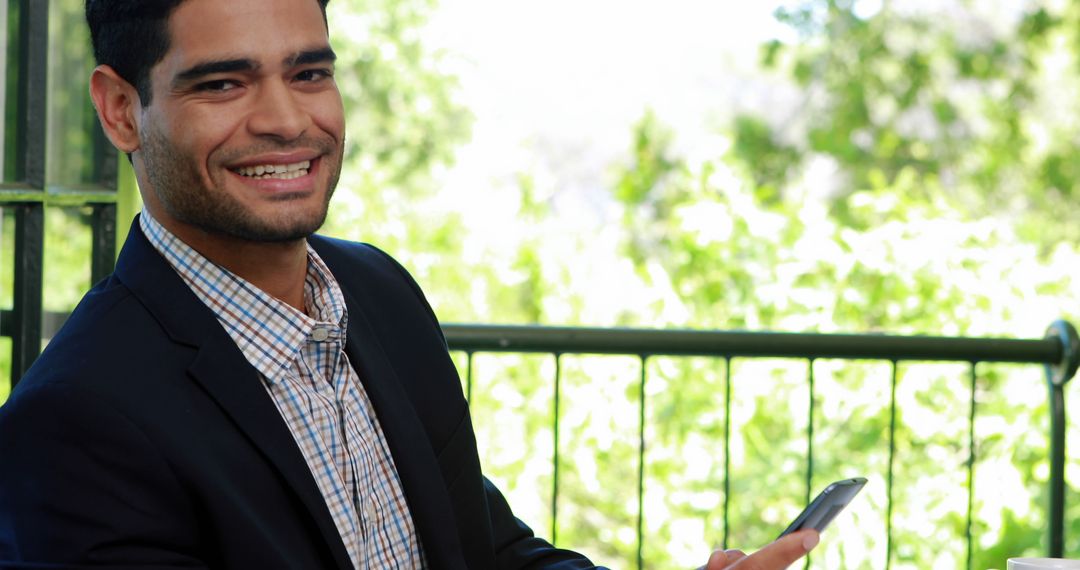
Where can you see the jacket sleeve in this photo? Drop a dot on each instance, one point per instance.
(80, 484)
(517, 547)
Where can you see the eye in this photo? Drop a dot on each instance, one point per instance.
(314, 74)
(217, 86)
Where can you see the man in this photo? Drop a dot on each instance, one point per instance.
(241, 393)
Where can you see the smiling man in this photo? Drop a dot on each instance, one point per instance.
(242, 393)
(238, 143)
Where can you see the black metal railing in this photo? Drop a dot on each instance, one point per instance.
(26, 187)
(1058, 352)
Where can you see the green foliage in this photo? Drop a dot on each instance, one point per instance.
(651, 164)
(947, 228)
(907, 89)
(72, 123)
(902, 257)
(402, 116)
(598, 468)
(403, 122)
(772, 160)
(512, 404)
(11, 80)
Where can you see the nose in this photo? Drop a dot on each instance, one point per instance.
(277, 112)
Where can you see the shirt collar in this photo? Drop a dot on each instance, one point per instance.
(270, 333)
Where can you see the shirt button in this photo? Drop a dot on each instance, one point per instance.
(369, 512)
(320, 334)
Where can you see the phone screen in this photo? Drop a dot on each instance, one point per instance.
(824, 508)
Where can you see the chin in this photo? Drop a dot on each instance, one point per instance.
(295, 229)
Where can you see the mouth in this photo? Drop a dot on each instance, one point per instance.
(275, 171)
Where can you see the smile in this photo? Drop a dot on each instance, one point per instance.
(275, 171)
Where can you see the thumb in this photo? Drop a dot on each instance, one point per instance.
(781, 553)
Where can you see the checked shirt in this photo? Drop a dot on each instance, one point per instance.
(302, 362)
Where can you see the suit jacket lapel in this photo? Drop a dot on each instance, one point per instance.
(221, 369)
(414, 459)
(226, 375)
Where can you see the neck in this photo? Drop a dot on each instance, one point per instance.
(277, 268)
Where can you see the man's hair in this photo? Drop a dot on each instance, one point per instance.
(131, 36)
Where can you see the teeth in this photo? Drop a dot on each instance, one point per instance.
(277, 171)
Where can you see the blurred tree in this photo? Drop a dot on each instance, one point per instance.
(896, 258)
(977, 102)
(941, 221)
(403, 123)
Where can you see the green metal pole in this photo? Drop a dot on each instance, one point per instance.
(1057, 375)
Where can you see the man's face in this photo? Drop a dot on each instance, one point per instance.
(245, 132)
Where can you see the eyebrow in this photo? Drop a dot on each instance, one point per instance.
(307, 57)
(204, 68)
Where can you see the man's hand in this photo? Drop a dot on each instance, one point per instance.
(776, 556)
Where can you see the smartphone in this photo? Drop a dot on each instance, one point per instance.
(824, 508)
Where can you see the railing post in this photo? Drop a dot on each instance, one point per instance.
(1057, 375)
(641, 464)
(103, 249)
(30, 129)
(555, 454)
(29, 248)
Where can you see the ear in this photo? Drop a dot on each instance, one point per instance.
(116, 102)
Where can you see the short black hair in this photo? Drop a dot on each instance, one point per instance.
(131, 36)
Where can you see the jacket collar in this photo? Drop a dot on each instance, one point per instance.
(221, 369)
(417, 466)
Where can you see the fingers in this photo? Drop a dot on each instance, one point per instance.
(722, 559)
(780, 554)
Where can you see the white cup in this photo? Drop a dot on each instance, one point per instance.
(1042, 563)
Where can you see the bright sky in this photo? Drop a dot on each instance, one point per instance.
(557, 85)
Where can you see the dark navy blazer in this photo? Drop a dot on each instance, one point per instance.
(142, 438)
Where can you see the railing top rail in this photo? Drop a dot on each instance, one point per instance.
(656, 342)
